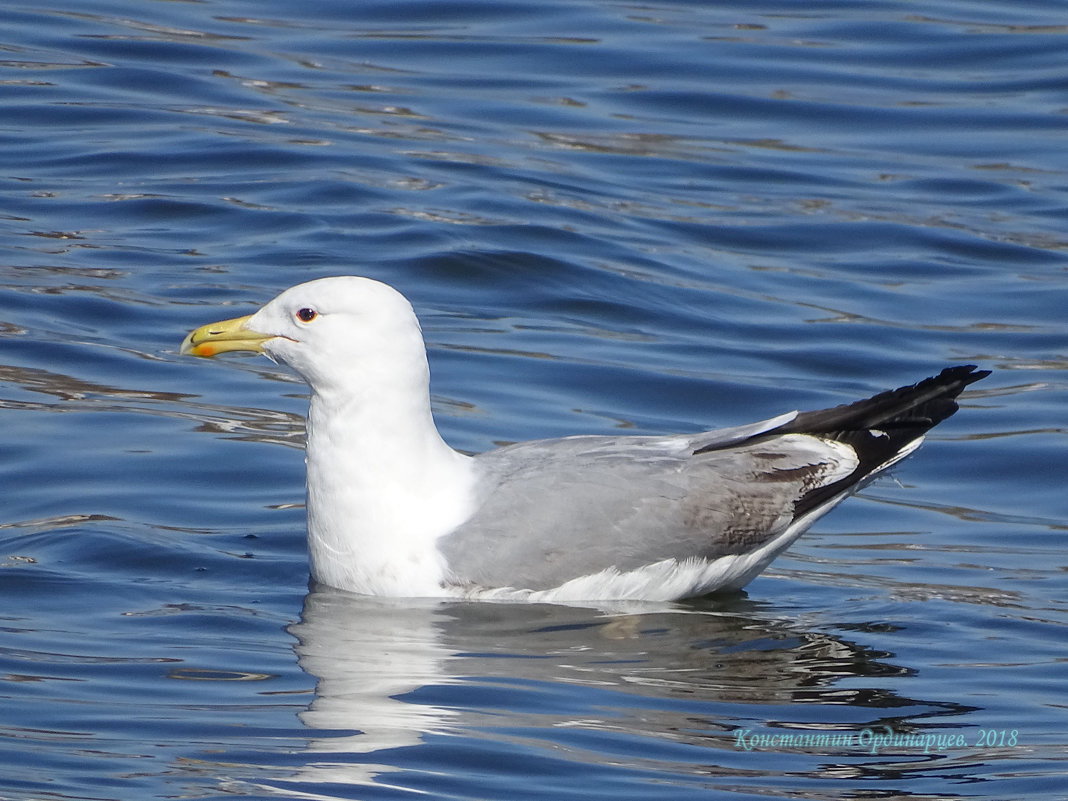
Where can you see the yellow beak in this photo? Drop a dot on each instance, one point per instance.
(208, 340)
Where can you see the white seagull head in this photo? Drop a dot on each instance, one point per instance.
(337, 333)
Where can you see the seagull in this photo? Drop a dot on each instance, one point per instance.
(392, 510)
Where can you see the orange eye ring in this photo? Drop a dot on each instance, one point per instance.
(307, 315)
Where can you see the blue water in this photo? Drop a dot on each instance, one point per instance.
(647, 217)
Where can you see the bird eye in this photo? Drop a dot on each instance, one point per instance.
(307, 315)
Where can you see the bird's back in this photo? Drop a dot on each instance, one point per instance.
(557, 510)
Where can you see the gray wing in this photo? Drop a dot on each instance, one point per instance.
(555, 510)
(561, 509)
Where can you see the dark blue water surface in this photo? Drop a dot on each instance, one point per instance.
(649, 217)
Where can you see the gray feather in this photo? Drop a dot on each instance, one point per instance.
(555, 510)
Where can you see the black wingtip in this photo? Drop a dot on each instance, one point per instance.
(965, 373)
(881, 428)
(906, 412)
(922, 405)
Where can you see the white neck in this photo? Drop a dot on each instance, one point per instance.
(382, 487)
